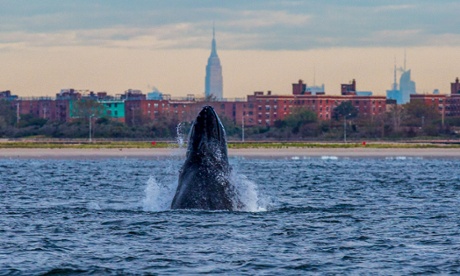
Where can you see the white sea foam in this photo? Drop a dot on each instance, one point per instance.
(180, 135)
(93, 206)
(329, 157)
(158, 196)
(160, 189)
(247, 193)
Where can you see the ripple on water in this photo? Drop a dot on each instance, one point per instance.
(317, 215)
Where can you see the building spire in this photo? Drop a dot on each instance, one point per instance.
(214, 48)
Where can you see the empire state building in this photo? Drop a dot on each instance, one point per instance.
(213, 80)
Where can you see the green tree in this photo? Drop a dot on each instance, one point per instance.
(345, 109)
(231, 128)
(300, 116)
(301, 121)
(86, 108)
(31, 120)
(7, 113)
(395, 117)
(420, 114)
(165, 127)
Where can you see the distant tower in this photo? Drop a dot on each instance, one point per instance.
(406, 85)
(213, 80)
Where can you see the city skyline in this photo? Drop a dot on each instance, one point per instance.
(265, 45)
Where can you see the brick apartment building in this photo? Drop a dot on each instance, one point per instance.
(265, 109)
(259, 109)
(447, 104)
(138, 111)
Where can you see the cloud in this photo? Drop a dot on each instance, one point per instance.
(264, 25)
(263, 19)
(393, 8)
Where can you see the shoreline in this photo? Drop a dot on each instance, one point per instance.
(94, 153)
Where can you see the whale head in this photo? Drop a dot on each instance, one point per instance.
(204, 179)
(207, 136)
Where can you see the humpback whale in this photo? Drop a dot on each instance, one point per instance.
(204, 177)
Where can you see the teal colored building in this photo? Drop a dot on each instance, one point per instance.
(114, 109)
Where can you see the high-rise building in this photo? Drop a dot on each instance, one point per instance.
(213, 80)
(406, 86)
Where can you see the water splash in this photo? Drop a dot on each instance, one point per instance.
(180, 135)
(327, 157)
(158, 196)
(247, 193)
(93, 206)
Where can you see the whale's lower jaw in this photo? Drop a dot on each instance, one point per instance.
(204, 188)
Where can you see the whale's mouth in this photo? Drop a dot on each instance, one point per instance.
(208, 125)
(207, 135)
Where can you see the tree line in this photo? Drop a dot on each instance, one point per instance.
(411, 120)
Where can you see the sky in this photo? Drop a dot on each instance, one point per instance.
(114, 45)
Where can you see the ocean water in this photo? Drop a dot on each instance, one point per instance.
(324, 215)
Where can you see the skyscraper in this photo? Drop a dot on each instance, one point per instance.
(213, 80)
(406, 86)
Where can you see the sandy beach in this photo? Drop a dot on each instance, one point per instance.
(254, 152)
